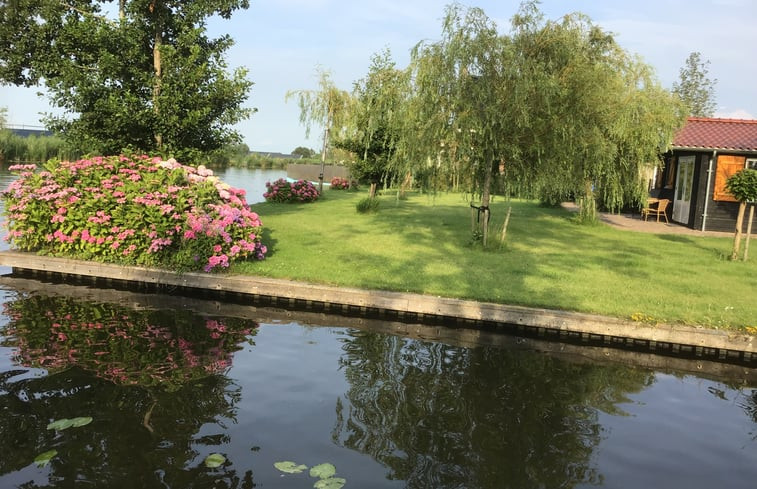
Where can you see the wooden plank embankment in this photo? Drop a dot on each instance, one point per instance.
(550, 324)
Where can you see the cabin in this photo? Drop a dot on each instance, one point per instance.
(704, 153)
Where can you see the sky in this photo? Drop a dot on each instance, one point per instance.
(283, 42)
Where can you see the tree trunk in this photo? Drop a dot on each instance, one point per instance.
(737, 234)
(748, 232)
(504, 226)
(485, 198)
(587, 206)
(326, 135)
(157, 65)
(121, 10)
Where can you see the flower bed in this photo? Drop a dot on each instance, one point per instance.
(283, 191)
(131, 210)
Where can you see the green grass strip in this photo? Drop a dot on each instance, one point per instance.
(424, 245)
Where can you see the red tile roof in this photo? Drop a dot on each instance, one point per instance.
(717, 134)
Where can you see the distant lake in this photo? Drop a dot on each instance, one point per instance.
(252, 180)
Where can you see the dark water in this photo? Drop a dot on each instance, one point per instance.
(166, 388)
(168, 381)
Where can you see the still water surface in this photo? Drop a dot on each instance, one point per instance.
(167, 386)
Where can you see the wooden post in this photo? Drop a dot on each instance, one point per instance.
(748, 232)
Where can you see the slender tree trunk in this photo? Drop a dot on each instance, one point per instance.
(121, 10)
(588, 207)
(748, 232)
(737, 234)
(504, 226)
(326, 136)
(485, 198)
(157, 65)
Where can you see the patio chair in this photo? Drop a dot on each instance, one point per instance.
(659, 209)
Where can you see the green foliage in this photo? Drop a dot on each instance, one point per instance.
(304, 152)
(325, 107)
(694, 88)
(214, 460)
(554, 108)
(377, 121)
(44, 458)
(65, 423)
(32, 149)
(324, 472)
(151, 81)
(290, 467)
(139, 210)
(743, 185)
(367, 205)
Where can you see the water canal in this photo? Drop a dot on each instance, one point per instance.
(168, 381)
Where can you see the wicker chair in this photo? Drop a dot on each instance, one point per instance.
(658, 210)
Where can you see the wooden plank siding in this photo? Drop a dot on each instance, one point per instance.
(721, 213)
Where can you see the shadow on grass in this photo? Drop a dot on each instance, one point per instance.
(423, 245)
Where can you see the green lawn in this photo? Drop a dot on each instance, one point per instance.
(423, 245)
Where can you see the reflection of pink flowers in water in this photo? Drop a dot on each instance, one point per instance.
(124, 348)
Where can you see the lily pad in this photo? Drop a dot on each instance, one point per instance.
(65, 423)
(323, 471)
(330, 483)
(214, 460)
(82, 421)
(44, 458)
(290, 467)
(60, 424)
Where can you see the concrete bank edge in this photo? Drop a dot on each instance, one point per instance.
(416, 304)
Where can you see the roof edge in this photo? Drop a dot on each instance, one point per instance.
(718, 119)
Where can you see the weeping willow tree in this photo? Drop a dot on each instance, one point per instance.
(376, 123)
(556, 107)
(326, 107)
(602, 116)
(470, 103)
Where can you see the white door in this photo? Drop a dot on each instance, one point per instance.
(684, 185)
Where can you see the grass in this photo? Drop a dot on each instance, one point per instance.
(424, 245)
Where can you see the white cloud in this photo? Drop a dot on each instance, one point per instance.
(733, 114)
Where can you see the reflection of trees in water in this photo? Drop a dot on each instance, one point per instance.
(123, 446)
(148, 430)
(442, 416)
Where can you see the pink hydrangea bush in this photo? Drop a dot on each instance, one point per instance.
(131, 210)
(283, 191)
(339, 183)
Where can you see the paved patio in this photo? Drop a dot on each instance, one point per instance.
(634, 222)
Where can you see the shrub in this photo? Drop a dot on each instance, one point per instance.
(131, 210)
(366, 205)
(743, 185)
(284, 191)
(339, 183)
